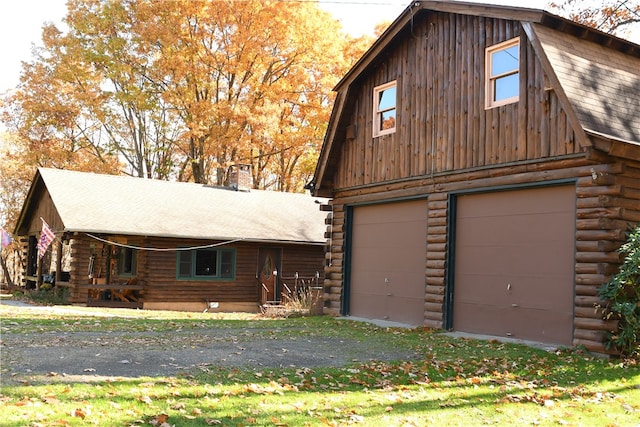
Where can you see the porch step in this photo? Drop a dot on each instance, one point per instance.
(273, 303)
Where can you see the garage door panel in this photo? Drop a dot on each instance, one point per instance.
(518, 202)
(387, 259)
(514, 263)
(388, 256)
(525, 291)
(509, 259)
(533, 228)
(404, 310)
(515, 320)
(391, 213)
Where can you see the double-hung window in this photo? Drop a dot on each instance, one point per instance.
(503, 73)
(206, 264)
(384, 107)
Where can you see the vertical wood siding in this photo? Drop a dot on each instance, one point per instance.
(442, 124)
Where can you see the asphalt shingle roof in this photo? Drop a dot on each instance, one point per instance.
(603, 85)
(94, 203)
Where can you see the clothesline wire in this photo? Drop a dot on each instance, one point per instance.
(142, 248)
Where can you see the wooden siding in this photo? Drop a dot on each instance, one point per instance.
(447, 143)
(156, 271)
(605, 206)
(442, 125)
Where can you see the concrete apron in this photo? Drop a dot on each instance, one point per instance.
(465, 335)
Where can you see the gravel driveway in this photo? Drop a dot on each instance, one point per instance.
(128, 354)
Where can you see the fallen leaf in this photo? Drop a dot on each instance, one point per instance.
(51, 400)
(78, 413)
(145, 399)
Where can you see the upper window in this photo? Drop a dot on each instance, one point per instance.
(206, 264)
(503, 66)
(384, 107)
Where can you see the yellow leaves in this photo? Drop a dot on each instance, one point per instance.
(271, 388)
(212, 84)
(277, 422)
(145, 399)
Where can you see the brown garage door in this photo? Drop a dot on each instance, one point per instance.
(388, 255)
(514, 264)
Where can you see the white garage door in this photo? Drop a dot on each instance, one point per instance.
(388, 257)
(514, 264)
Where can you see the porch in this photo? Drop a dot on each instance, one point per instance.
(118, 295)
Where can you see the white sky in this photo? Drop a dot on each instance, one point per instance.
(21, 24)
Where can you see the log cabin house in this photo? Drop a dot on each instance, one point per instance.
(483, 166)
(131, 242)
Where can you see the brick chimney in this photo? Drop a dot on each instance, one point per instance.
(239, 177)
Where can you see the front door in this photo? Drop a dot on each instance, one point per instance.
(268, 272)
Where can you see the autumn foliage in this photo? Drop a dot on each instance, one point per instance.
(182, 89)
(610, 16)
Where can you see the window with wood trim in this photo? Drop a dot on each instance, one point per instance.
(127, 262)
(503, 73)
(206, 264)
(384, 107)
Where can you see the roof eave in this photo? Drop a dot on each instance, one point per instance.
(327, 150)
(229, 239)
(37, 184)
(614, 146)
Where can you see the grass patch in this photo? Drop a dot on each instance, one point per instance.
(46, 295)
(452, 381)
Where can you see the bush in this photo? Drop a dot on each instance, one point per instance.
(623, 294)
(48, 295)
(298, 303)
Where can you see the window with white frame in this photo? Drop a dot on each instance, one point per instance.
(503, 73)
(384, 107)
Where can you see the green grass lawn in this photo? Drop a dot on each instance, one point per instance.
(453, 382)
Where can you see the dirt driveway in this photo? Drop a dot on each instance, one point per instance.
(103, 354)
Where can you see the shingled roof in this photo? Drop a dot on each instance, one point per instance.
(108, 204)
(602, 84)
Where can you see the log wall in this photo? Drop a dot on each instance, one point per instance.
(156, 271)
(607, 203)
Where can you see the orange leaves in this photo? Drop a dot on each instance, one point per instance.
(79, 413)
(184, 88)
(160, 421)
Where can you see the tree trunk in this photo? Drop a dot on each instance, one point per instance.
(7, 276)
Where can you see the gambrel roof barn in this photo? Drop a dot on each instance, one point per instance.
(484, 166)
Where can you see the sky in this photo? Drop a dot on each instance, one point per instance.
(21, 24)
